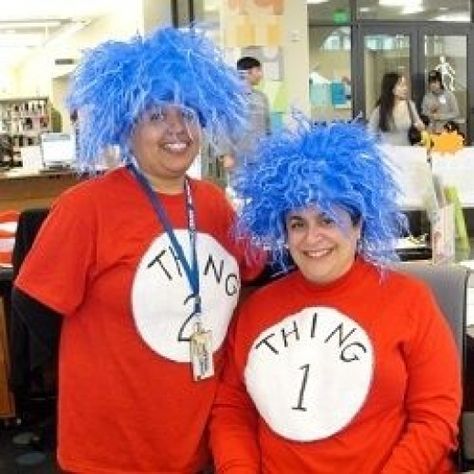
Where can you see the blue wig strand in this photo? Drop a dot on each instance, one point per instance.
(336, 165)
(117, 81)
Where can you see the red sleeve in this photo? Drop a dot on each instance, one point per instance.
(233, 422)
(56, 268)
(433, 398)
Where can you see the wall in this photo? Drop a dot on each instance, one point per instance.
(8, 83)
(296, 53)
(155, 13)
(33, 76)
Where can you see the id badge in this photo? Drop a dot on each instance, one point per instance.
(442, 99)
(202, 362)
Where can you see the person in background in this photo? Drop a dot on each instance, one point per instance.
(344, 365)
(139, 262)
(394, 113)
(439, 103)
(259, 113)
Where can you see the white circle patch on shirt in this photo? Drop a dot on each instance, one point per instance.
(162, 304)
(310, 374)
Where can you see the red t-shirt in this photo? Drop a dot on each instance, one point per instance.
(357, 376)
(127, 401)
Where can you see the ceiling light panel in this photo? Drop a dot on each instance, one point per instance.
(27, 24)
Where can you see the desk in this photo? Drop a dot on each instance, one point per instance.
(20, 190)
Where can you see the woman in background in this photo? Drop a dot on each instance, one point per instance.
(439, 104)
(394, 113)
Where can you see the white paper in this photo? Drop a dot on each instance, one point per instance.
(31, 158)
(457, 169)
(412, 173)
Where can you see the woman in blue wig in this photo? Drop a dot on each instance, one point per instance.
(140, 260)
(344, 365)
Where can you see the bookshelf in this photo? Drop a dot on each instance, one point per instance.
(22, 120)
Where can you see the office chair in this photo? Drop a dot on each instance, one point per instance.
(30, 359)
(34, 343)
(449, 285)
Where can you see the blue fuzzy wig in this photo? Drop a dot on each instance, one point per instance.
(336, 165)
(117, 81)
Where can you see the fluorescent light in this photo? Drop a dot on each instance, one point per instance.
(316, 2)
(211, 5)
(453, 17)
(6, 25)
(66, 31)
(398, 3)
(412, 9)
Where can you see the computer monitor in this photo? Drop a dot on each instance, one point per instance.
(57, 150)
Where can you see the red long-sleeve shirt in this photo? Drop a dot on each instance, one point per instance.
(357, 376)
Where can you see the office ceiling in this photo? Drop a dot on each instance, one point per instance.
(41, 9)
(29, 24)
(320, 11)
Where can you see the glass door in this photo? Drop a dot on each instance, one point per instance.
(414, 50)
(379, 49)
(447, 52)
(383, 53)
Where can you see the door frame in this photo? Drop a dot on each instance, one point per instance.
(416, 31)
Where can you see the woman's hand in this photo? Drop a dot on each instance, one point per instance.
(420, 126)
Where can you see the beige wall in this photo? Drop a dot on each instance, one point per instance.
(296, 53)
(155, 13)
(33, 76)
(8, 83)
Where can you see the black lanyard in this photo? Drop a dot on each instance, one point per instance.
(192, 271)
